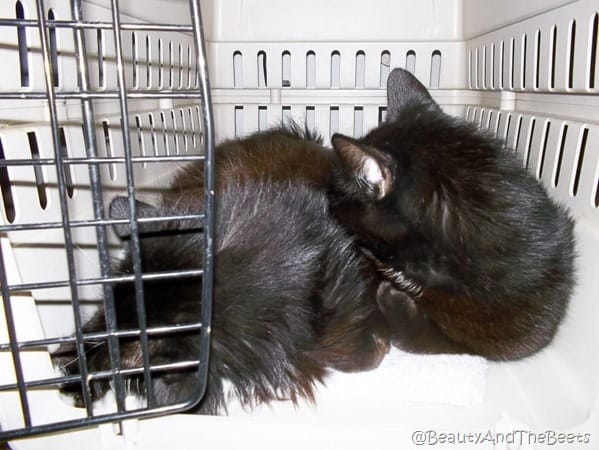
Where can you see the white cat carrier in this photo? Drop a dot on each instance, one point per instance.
(100, 97)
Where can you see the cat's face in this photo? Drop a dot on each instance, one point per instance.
(419, 177)
(382, 184)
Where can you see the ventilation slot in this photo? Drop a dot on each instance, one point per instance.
(594, 50)
(335, 69)
(164, 133)
(262, 118)
(171, 65)
(64, 151)
(109, 150)
(192, 128)
(237, 69)
(411, 61)
(53, 50)
(493, 64)
(560, 156)
(100, 39)
(501, 64)
(310, 117)
(286, 114)
(382, 114)
(529, 143)
(512, 61)
(385, 68)
(475, 69)
(185, 131)
(523, 68)
(22, 43)
(149, 62)
(140, 139)
(483, 114)
(518, 132)
(198, 116)
(497, 122)
(333, 120)
(37, 169)
(572, 40)
(310, 69)
(175, 132)
(553, 56)
(189, 66)
(507, 130)
(537, 58)
(238, 121)
(262, 74)
(153, 135)
(360, 69)
(180, 67)
(581, 151)
(358, 121)
(135, 57)
(470, 70)
(490, 120)
(160, 63)
(435, 69)
(543, 150)
(484, 68)
(286, 69)
(7, 197)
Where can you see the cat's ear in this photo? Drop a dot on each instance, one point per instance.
(119, 209)
(370, 167)
(403, 90)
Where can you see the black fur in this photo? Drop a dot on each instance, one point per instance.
(484, 258)
(292, 294)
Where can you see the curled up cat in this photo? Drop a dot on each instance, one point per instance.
(293, 296)
(477, 258)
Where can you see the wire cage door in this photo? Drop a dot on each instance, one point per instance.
(96, 102)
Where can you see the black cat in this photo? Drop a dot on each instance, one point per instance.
(477, 258)
(292, 293)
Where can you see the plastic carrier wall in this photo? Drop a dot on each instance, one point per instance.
(527, 71)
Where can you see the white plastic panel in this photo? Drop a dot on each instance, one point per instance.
(331, 21)
(562, 154)
(326, 63)
(556, 51)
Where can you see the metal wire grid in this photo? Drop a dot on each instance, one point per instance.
(86, 95)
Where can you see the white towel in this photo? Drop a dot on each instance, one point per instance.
(458, 380)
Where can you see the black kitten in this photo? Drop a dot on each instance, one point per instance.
(481, 258)
(292, 295)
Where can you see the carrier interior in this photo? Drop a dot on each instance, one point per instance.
(528, 71)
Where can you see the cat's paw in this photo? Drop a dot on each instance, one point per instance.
(396, 304)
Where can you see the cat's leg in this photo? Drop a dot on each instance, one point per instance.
(410, 328)
(352, 343)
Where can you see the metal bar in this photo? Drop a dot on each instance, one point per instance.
(7, 435)
(49, 80)
(96, 222)
(100, 281)
(82, 25)
(201, 92)
(209, 202)
(135, 244)
(149, 94)
(102, 375)
(94, 176)
(152, 331)
(100, 160)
